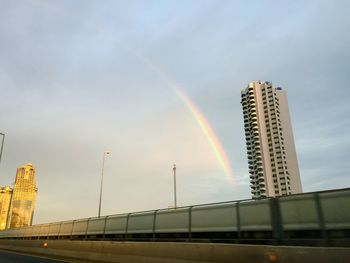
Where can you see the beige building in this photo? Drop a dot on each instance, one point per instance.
(272, 159)
(5, 202)
(24, 197)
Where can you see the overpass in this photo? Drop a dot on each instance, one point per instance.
(318, 221)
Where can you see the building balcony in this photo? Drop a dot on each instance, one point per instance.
(253, 179)
(261, 182)
(261, 173)
(258, 152)
(261, 176)
(254, 187)
(256, 193)
(252, 175)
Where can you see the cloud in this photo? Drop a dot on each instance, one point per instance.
(72, 87)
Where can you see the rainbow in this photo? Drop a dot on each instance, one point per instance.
(203, 123)
(198, 116)
(208, 132)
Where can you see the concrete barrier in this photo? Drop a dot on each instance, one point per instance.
(156, 252)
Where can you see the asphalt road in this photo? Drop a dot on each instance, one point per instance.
(13, 257)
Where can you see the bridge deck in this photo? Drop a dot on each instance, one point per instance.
(130, 252)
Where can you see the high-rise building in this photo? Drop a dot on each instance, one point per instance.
(272, 159)
(23, 197)
(5, 204)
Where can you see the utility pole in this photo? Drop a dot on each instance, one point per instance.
(174, 169)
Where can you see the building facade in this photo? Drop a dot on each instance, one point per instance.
(272, 159)
(23, 197)
(5, 204)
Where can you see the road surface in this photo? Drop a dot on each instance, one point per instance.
(11, 257)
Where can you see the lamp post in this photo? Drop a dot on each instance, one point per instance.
(175, 202)
(101, 186)
(2, 144)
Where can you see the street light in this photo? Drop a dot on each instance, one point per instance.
(174, 169)
(2, 144)
(102, 172)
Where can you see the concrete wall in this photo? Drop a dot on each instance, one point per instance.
(139, 252)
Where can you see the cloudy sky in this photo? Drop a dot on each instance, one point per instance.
(78, 78)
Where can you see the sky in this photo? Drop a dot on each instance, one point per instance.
(78, 78)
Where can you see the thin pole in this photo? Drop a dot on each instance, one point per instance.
(2, 144)
(101, 186)
(174, 169)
